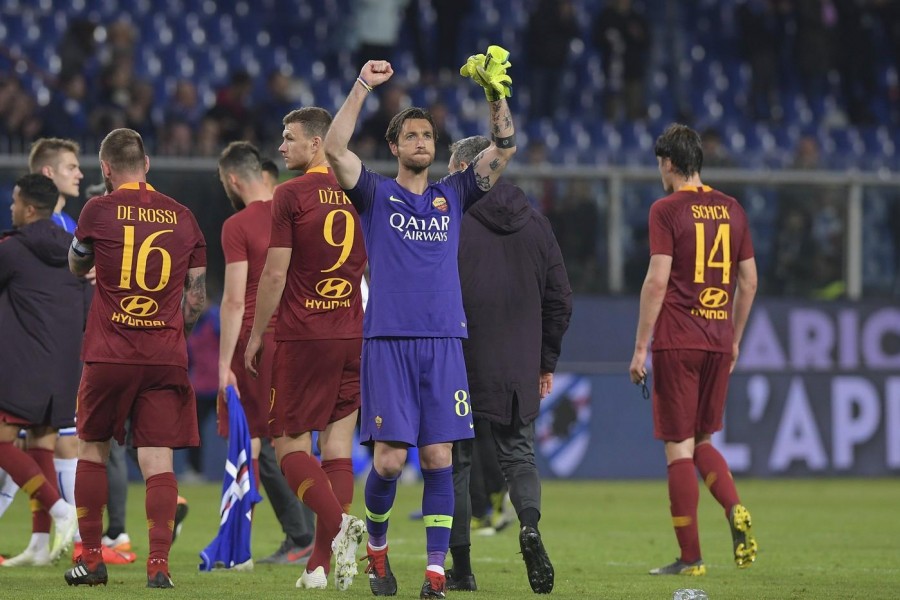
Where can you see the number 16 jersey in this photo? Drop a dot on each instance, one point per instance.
(144, 243)
(706, 234)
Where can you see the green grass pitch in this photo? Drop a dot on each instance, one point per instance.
(819, 539)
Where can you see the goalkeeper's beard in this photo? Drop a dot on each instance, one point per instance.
(416, 166)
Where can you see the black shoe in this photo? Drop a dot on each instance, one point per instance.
(465, 583)
(160, 577)
(289, 553)
(181, 511)
(679, 567)
(381, 579)
(160, 580)
(537, 563)
(81, 575)
(434, 587)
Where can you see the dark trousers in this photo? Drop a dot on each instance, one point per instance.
(486, 480)
(514, 445)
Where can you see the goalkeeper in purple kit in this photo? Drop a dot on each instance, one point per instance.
(413, 377)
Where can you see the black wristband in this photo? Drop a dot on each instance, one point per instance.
(506, 142)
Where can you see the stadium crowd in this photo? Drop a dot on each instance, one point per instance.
(604, 76)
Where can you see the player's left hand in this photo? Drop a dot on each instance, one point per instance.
(735, 353)
(253, 354)
(546, 384)
(638, 370)
(376, 72)
(489, 71)
(91, 276)
(226, 378)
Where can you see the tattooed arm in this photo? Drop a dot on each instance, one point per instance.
(491, 162)
(194, 299)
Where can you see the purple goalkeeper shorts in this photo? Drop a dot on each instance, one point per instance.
(415, 391)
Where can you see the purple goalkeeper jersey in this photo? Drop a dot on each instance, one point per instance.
(412, 243)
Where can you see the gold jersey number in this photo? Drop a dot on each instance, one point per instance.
(145, 249)
(346, 242)
(719, 256)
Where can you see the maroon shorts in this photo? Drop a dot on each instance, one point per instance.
(12, 419)
(158, 398)
(314, 383)
(689, 390)
(254, 391)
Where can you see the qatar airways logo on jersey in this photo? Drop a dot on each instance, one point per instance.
(417, 229)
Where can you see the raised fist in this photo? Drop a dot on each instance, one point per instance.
(376, 72)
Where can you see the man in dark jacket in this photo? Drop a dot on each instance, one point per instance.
(38, 297)
(518, 303)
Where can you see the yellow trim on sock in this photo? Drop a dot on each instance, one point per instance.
(438, 521)
(33, 484)
(304, 486)
(711, 480)
(682, 521)
(377, 518)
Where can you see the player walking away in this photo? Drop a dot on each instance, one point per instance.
(517, 297)
(312, 275)
(245, 240)
(150, 258)
(37, 389)
(695, 300)
(413, 375)
(297, 521)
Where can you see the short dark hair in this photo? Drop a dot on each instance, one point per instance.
(39, 191)
(123, 149)
(413, 112)
(314, 120)
(268, 166)
(242, 159)
(681, 144)
(466, 149)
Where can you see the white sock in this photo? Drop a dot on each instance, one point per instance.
(65, 478)
(60, 509)
(39, 541)
(8, 489)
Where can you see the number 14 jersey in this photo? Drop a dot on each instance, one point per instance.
(144, 243)
(706, 234)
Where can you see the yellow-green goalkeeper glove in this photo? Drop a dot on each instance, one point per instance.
(489, 71)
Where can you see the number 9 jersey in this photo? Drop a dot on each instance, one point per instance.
(706, 234)
(321, 299)
(144, 243)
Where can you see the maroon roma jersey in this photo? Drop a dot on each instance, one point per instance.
(144, 242)
(706, 234)
(245, 237)
(321, 299)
